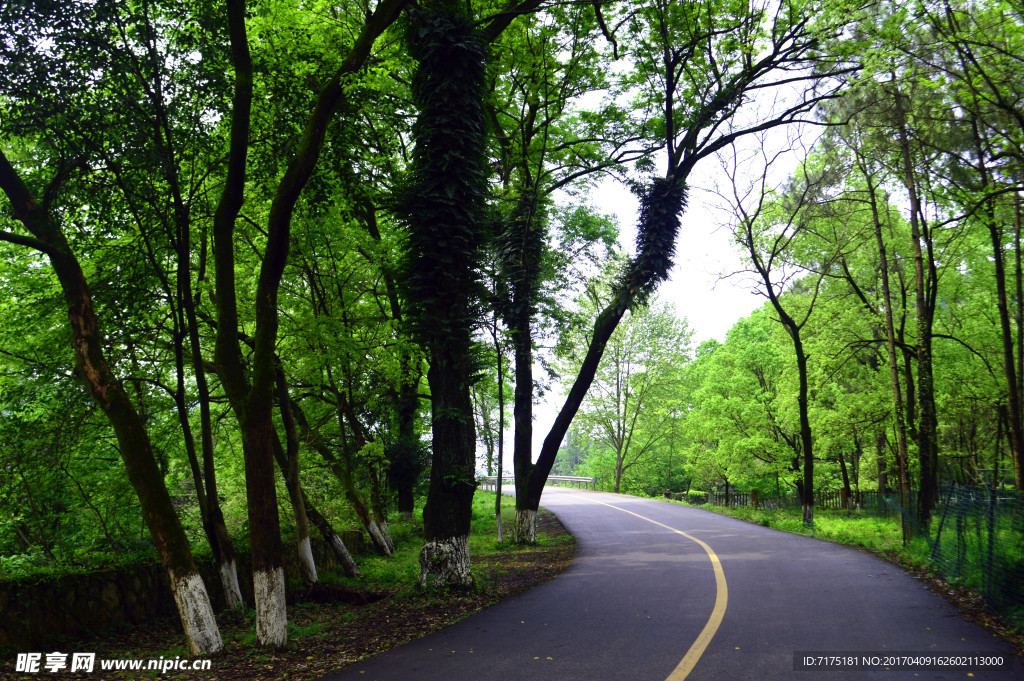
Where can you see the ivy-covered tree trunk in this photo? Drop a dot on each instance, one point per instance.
(134, 445)
(405, 458)
(443, 209)
(520, 249)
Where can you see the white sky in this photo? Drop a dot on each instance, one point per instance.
(698, 286)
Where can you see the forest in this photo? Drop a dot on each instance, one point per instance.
(279, 268)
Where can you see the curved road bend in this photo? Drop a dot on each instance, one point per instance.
(639, 595)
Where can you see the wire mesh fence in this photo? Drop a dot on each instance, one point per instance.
(976, 537)
(979, 541)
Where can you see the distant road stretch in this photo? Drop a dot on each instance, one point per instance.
(660, 591)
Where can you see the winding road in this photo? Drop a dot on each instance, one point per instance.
(663, 592)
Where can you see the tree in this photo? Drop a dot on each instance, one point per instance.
(251, 392)
(699, 66)
(444, 210)
(775, 229)
(547, 62)
(738, 426)
(629, 409)
(133, 442)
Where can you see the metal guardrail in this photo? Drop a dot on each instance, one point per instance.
(489, 482)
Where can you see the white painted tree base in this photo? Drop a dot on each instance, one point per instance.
(343, 556)
(525, 531)
(378, 538)
(386, 533)
(271, 613)
(229, 580)
(445, 563)
(196, 614)
(306, 561)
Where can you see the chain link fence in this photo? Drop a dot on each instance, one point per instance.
(979, 542)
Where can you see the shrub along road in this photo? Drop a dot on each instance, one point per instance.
(642, 600)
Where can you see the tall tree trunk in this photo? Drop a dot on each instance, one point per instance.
(501, 432)
(203, 475)
(521, 248)
(134, 445)
(209, 509)
(253, 404)
(1011, 367)
(522, 443)
(883, 468)
(444, 559)
(847, 489)
(806, 440)
(288, 462)
(657, 230)
(444, 211)
(405, 458)
(890, 344)
(223, 548)
(927, 434)
(1018, 459)
(182, 305)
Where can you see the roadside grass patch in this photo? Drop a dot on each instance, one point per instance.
(880, 534)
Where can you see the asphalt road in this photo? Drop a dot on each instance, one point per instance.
(642, 601)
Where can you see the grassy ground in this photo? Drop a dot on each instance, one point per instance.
(883, 537)
(343, 620)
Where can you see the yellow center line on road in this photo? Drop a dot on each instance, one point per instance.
(689, 660)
